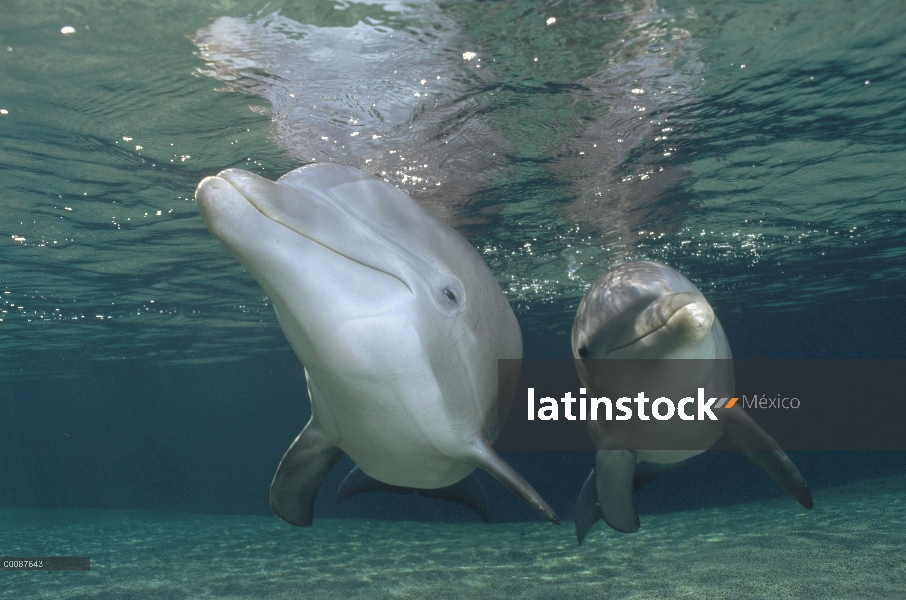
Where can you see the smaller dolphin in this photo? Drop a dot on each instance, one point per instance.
(646, 310)
(398, 322)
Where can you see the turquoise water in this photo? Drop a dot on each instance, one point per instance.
(783, 185)
(757, 147)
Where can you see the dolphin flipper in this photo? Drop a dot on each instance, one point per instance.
(301, 472)
(485, 457)
(777, 465)
(468, 492)
(614, 482)
(587, 510)
(764, 452)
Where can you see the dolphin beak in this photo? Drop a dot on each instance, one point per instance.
(228, 214)
(675, 320)
(235, 190)
(680, 313)
(678, 319)
(234, 199)
(214, 197)
(244, 180)
(210, 194)
(220, 191)
(692, 322)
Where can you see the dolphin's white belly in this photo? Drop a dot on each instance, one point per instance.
(380, 401)
(390, 453)
(399, 434)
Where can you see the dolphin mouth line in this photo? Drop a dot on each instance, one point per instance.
(652, 332)
(323, 245)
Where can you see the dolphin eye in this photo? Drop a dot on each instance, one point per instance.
(583, 352)
(450, 296)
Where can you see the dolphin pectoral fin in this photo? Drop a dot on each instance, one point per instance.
(587, 511)
(764, 452)
(778, 466)
(301, 472)
(485, 457)
(614, 482)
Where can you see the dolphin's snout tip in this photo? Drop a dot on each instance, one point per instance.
(207, 190)
(693, 321)
(698, 314)
(239, 178)
(210, 179)
(228, 179)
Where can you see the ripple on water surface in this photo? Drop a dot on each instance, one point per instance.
(758, 150)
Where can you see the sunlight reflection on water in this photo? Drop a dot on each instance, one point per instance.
(610, 133)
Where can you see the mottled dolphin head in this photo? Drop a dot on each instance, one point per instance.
(645, 309)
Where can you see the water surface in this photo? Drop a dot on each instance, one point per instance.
(762, 151)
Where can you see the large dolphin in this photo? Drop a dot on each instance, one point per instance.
(398, 322)
(646, 310)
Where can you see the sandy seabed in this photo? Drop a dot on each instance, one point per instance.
(851, 545)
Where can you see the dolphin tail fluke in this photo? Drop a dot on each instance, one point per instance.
(467, 492)
(356, 482)
(485, 457)
(764, 452)
(587, 511)
(614, 484)
(301, 472)
(646, 472)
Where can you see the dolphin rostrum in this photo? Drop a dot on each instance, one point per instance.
(398, 322)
